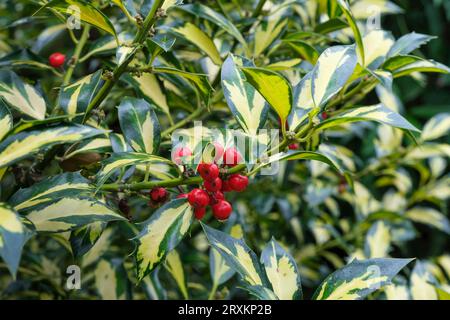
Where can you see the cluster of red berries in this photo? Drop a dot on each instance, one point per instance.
(57, 59)
(158, 196)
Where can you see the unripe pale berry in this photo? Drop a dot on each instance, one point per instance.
(222, 210)
(208, 171)
(238, 182)
(198, 198)
(57, 59)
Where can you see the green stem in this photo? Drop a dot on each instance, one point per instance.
(183, 122)
(213, 291)
(138, 40)
(76, 54)
(258, 8)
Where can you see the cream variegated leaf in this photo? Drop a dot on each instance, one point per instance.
(244, 101)
(100, 145)
(268, 31)
(361, 10)
(64, 214)
(75, 98)
(436, 127)
(429, 216)
(282, 272)
(140, 125)
(303, 103)
(377, 44)
(149, 88)
(13, 235)
(238, 256)
(408, 43)
(174, 265)
(161, 233)
(197, 37)
(26, 143)
(378, 113)
(21, 96)
(273, 87)
(84, 238)
(421, 283)
(334, 67)
(6, 120)
(111, 280)
(358, 279)
(378, 241)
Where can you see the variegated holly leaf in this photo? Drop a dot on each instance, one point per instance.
(140, 125)
(200, 39)
(378, 240)
(6, 120)
(161, 233)
(281, 269)
(268, 31)
(200, 81)
(174, 266)
(360, 8)
(358, 279)
(126, 159)
(207, 13)
(150, 89)
(13, 235)
(246, 104)
(408, 43)
(334, 67)
(99, 145)
(260, 292)
(152, 286)
(84, 238)
(429, 216)
(21, 96)
(378, 113)
(401, 66)
(303, 103)
(111, 279)
(25, 144)
(64, 214)
(118, 143)
(56, 187)
(304, 49)
(377, 44)
(75, 98)
(343, 4)
(273, 87)
(422, 283)
(299, 155)
(238, 256)
(436, 127)
(84, 10)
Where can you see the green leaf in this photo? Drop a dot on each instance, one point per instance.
(246, 104)
(118, 143)
(197, 37)
(85, 11)
(429, 216)
(200, 81)
(334, 67)
(273, 87)
(378, 113)
(25, 144)
(408, 43)
(55, 187)
(13, 236)
(378, 240)
(404, 65)
(305, 50)
(139, 125)
(21, 96)
(281, 269)
(237, 255)
(174, 265)
(331, 25)
(343, 4)
(207, 13)
(358, 279)
(126, 159)
(299, 155)
(64, 214)
(6, 120)
(436, 127)
(161, 233)
(76, 97)
(84, 238)
(111, 279)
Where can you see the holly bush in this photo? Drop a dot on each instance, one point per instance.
(151, 149)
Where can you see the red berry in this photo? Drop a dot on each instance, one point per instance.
(213, 186)
(57, 59)
(218, 151)
(208, 171)
(325, 115)
(159, 194)
(215, 197)
(222, 210)
(198, 198)
(231, 157)
(238, 182)
(199, 212)
(182, 196)
(180, 153)
(226, 186)
(293, 146)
